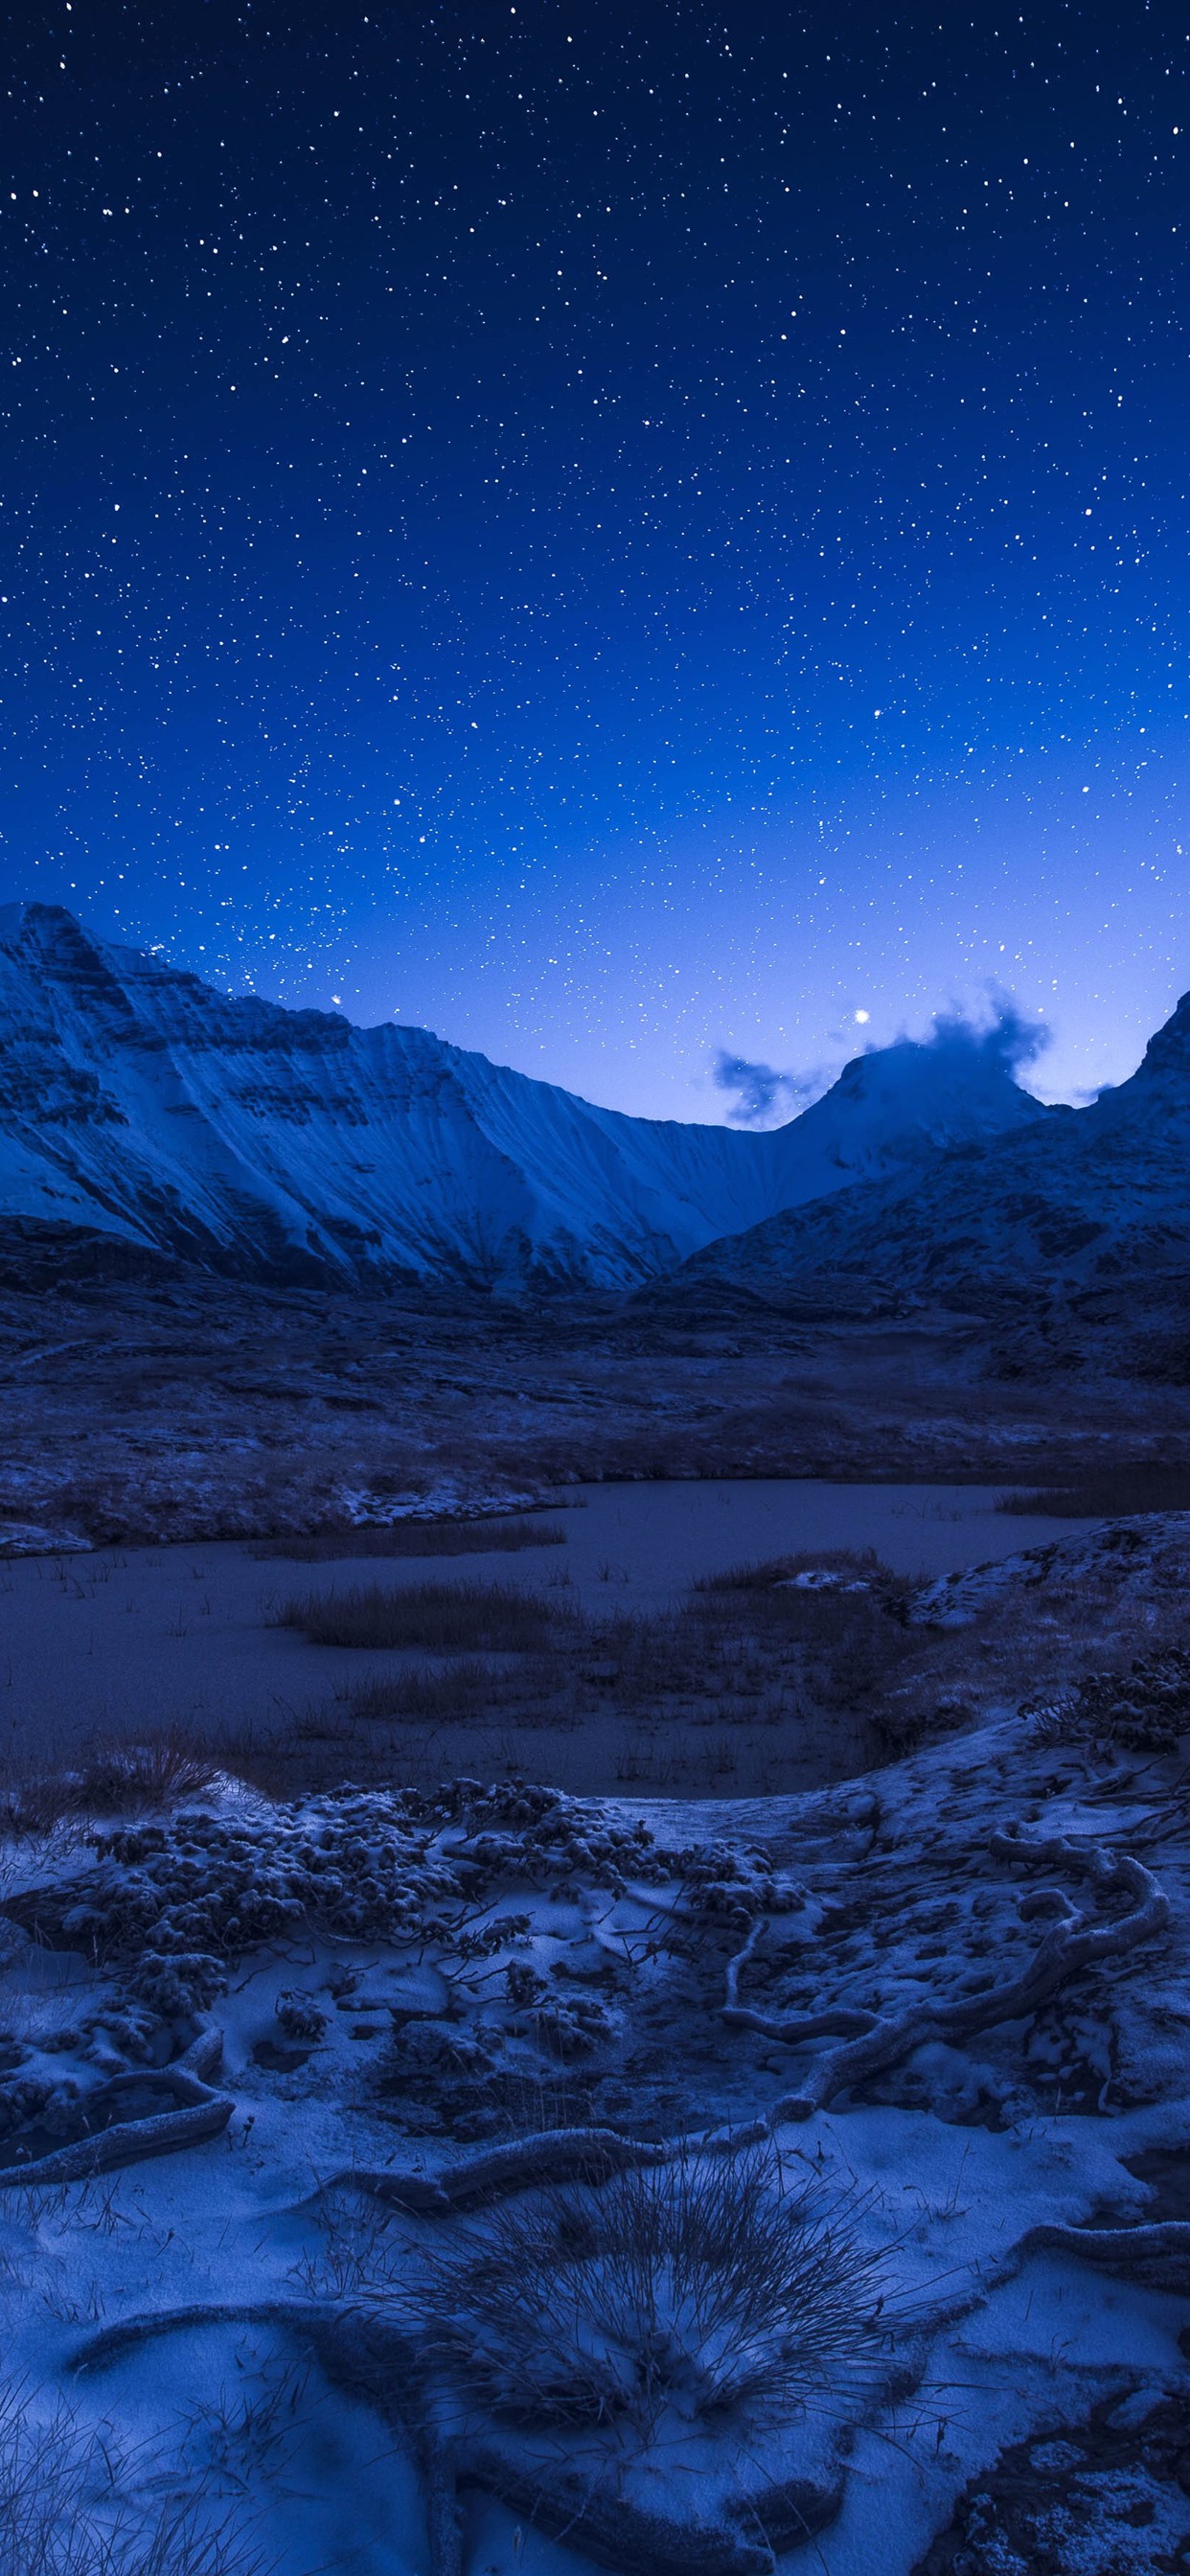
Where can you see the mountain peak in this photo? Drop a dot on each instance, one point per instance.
(966, 1071)
(18, 919)
(1168, 1050)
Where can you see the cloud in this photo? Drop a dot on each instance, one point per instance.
(766, 1097)
(1003, 1034)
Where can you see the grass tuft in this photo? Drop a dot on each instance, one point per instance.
(687, 2290)
(437, 1618)
(461, 1690)
(62, 2512)
(109, 1779)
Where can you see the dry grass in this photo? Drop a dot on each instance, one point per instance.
(461, 1692)
(848, 1564)
(688, 2291)
(1107, 1495)
(108, 1778)
(844, 1641)
(749, 1684)
(413, 1538)
(431, 1618)
(62, 2512)
(748, 1680)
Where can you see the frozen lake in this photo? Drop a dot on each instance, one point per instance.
(650, 1540)
(126, 1640)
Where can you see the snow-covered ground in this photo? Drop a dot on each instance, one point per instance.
(550, 2184)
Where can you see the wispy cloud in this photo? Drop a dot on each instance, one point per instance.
(765, 1097)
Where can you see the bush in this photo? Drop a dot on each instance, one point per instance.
(1147, 1709)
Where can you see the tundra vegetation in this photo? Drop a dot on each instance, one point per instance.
(661, 2175)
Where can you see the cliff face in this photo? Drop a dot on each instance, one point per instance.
(137, 1102)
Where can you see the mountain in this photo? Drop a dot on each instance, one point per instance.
(1087, 1209)
(142, 1108)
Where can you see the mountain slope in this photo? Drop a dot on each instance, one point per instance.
(1088, 1204)
(137, 1102)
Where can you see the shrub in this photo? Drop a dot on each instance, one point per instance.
(300, 2017)
(1147, 1709)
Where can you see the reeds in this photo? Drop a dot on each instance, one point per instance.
(433, 1618)
(413, 1538)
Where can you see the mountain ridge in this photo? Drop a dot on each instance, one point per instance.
(141, 1104)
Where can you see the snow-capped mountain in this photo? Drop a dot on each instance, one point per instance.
(138, 1103)
(1089, 1207)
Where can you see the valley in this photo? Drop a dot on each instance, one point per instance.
(594, 1886)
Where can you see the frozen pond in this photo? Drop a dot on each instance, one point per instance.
(129, 1639)
(649, 1540)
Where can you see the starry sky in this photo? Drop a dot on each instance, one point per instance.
(650, 539)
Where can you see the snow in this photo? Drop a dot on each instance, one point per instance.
(1085, 1207)
(583, 1948)
(139, 1102)
(1145, 1553)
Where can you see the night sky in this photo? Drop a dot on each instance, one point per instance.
(613, 532)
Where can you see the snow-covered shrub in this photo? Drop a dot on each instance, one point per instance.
(201, 1891)
(170, 1906)
(1146, 1709)
(22, 2099)
(178, 1985)
(300, 2017)
(732, 1887)
(690, 2290)
(520, 1829)
(522, 1984)
(571, 2025)
(441, 2050)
